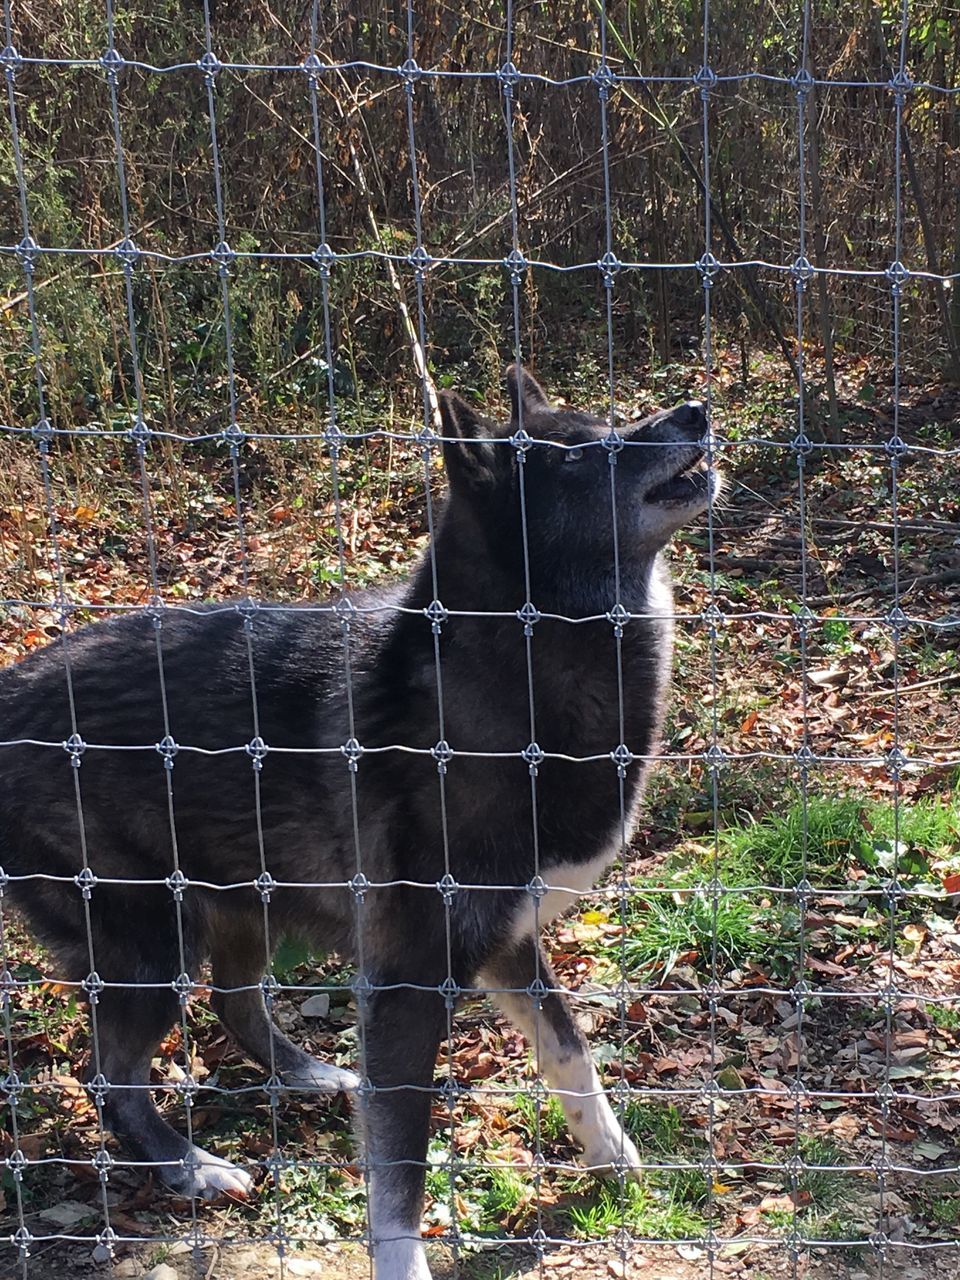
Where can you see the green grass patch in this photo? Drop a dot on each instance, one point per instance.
(830, 842)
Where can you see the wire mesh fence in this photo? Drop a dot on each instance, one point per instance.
(433, 620)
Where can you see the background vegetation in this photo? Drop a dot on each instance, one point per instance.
(715, 873)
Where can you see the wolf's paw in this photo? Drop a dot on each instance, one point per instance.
(610, 1154)
(207, 1177)
(321, 1077)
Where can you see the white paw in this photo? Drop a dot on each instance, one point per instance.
(208, 1177)
(400, 1259)
(611, 1153)
(321, 1077)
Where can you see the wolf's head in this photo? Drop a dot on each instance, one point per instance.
(578, 484)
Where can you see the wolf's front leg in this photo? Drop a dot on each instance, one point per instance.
(402, 1031)
(562, 1052)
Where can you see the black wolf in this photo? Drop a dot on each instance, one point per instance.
(140, 842)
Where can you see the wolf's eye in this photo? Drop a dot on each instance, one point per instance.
(573, 455)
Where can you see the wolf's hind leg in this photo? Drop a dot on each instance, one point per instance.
(563, 1053)
(238, 961)
(130, 1023)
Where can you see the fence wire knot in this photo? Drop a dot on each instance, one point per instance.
(622, 757)
(11, 1085)
(86, 882)
(187, 1087)
(609, 265)
(107, 1240)
(233, 437)
(345, 610)
(27, 251)
(450, 991)
(420, 260)
(222, 255)
(183, 985)
(880, 1242)
(265, 885)
(538, 990)
(139, 435)
(708, 266)
(93, 985)
(533, 754)
(900, 85)
(705, 79)
(359, 886)
(509, 78)
(112, 62)
(896, 448)
(802, 892)
(436, 615)
(898, 275)
(428, 440)
(443, 754)
(606, 81)
(127, 253)
(804, 619)
(802, 81)
(516, 264)
(712, 616)
(618, 617)
(896, 620)
(536, 888)
(177, 883)
(75, 747)
(885, 1094)
(16, 1162)
(448, 888)
(529, 615)
(352, 751)
(257, 750)
(324, 257)
(210, 65)
(802, 270)
(10, 60)
(410, 72)
(42, 432)
(167, 748)
(313, 67)
(897, 761)
(452, 1092)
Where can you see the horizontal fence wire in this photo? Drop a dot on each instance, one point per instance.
(42, 434)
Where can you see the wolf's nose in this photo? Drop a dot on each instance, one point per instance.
(691, 414)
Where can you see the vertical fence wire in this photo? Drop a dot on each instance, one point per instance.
(706, 81)
(233, 436)
(449, 988)
(324, 258)
(127, 255)
(609, 264)
(900, 84)
(85, 879)
(528, 614)
(508, 82)
(801, 450)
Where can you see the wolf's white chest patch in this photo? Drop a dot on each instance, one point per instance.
(565, 883)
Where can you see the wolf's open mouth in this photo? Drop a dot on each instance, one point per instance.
(690, 482)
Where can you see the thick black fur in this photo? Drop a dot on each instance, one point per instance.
(306, 809)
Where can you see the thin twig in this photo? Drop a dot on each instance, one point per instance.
(912, 688)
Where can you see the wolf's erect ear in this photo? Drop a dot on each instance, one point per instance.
(525, 391)
(470, 463)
